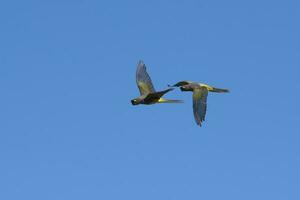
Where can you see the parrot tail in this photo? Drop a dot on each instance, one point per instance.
(161, 100)
(219, 90)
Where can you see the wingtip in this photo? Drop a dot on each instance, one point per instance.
(199, 124)
(174, 85)
(141, 62)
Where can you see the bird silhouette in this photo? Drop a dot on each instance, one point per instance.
(148, 95)
(200, 92)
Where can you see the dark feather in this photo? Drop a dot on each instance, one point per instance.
(199, 104)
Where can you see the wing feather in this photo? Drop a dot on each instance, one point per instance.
(156, 95)
(199, 104)
(143, 79)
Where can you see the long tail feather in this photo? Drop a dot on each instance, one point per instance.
(219, 90)
(161, 100)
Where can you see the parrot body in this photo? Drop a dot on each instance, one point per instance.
(148, 95)
(200, 92)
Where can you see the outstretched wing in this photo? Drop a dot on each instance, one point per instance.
(181, 83)
(143, 79)
(156, 95)
(199, 104)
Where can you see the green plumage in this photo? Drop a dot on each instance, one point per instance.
(148, 95)
(200, 92)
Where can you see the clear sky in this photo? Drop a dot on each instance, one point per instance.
(67, 75)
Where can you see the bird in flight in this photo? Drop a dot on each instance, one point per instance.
(148, 95)
(200, 92)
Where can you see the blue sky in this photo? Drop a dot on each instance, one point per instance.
(67, 74)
